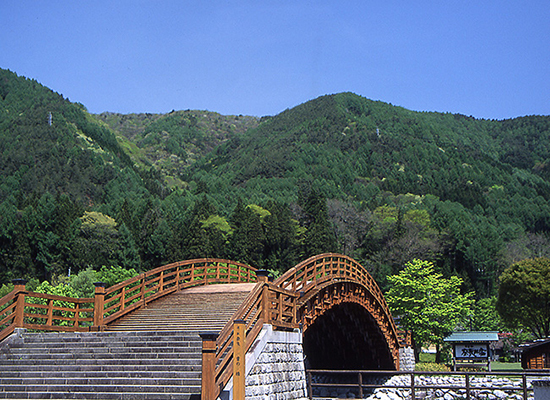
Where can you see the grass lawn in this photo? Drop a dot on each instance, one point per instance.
(495, 365)
(500, 366)
(427, 357)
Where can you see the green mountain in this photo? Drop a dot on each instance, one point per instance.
(50, 145)
(482, 184)
(172, 142)
(351, 147)
(338, 173)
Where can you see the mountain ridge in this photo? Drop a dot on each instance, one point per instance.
(380, 183)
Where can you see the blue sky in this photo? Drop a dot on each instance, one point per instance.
(489, 59)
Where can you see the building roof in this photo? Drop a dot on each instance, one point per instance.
(476, 336)
(536, 343)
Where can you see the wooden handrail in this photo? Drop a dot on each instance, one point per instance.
(309, 276)
(42, 311)
(251, 312)
(140, 290)
(18, 310)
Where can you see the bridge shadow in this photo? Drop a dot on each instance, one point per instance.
(347, 337)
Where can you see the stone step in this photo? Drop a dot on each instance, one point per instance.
(76, 355)
(55, 373)
(111, 343)
(104, 350)
(101, 337)
(129, 391)
(103, 381)
(98, 395)
(191, 366)
(114, 361)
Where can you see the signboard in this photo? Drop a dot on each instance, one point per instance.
(471, 351)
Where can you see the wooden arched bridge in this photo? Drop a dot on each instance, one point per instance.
(340, 309)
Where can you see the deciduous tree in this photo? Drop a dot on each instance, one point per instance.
(427, 304)
(524, 296)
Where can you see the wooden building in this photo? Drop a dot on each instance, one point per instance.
(536, 355)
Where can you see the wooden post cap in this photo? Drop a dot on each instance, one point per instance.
(263, 275)
(208, 336)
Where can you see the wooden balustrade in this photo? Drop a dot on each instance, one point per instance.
(312, 275)
(279, 310)
(137, 292)
(40, 311)
(274, 303)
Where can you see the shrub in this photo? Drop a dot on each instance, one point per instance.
(431, 367)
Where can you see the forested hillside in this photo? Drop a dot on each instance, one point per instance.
(471, 195)
(339, 173)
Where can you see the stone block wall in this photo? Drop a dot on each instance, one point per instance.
(274, 368)
(278, 373)
(406, 359)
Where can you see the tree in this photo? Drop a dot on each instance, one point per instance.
(427, 304)
(524, 296)
(485, 316)
(319, 237)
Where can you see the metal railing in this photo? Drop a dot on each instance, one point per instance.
(468, 384)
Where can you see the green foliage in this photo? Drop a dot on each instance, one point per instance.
(83, 283)
(485, 316)
(432, 367)
(114, 274)
(6, 289)
(380, 183)
(426, 303)
(62, 289)
(524, 296)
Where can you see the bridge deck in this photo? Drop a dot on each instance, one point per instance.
(201, 308)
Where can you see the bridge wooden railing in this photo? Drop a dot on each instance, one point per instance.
(266, 304)
(39, 311)
(137, 292)
(318, 271)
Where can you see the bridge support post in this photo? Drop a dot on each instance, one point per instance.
(209, 347)
(19, 289)
(239, 356)
(263, 277)
(99, 305)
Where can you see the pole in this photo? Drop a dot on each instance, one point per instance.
(99, 305)
(208, 384)
(239, 354)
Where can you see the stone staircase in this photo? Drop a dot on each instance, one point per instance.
(105, 365)
(152, 353)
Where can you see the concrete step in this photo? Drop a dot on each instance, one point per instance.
(91, 391)
(98, 395)
(152, 353)
(55, 373)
